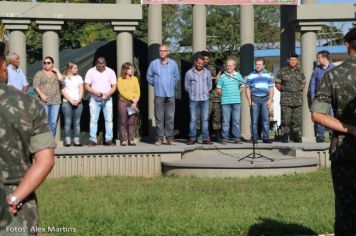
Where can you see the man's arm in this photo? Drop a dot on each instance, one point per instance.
(92, 91)
(333, 123)
(248, 96)
(270, 97)
(187, 82)
(312, 85)
(150, 75)
(44, 161)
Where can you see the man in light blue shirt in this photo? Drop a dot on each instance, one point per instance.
(198, 84)
(163, 75)
(230, 88)
(259, 94)
(16, 78)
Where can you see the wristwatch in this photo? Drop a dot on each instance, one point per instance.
(14, 200)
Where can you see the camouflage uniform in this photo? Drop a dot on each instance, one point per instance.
(291, 100)
(5, 216)
(214, 107)
(338, 89)
(23, 130)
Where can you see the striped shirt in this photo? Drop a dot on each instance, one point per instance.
(198, 85)
(230, 88)
(163, 77)
(259, 83)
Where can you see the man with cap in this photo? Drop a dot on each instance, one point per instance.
(338, 88)
(290, 81)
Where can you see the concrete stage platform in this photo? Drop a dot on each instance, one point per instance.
(215, 160)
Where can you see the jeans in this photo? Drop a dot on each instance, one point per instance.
(164, 115)
(229, 110)
(96, 105)
(320, 130)
(260, 107)
(72, 116)
(52, 111)
(196, 108)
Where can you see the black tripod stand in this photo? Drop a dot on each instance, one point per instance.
(254, 155)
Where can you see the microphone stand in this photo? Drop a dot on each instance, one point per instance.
(252, 155)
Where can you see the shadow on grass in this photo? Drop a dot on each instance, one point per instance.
(269, 227)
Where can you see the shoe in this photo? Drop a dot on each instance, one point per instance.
(78, 144)
(238, 141)
(224, 142)
(243, 139)
(158, 142)
(267, 141)
(109, 143)
(285, 138)
(171, 142)
(298, 140)
(91, 143)
(319, 140)
(255, 141)
(123, 143)
(207, 142)
(191, 142)
(67, 144)
(132, 143)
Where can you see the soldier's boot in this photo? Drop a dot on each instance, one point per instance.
(297, 138)
(285, 138)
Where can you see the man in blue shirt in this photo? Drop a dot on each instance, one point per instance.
(259, 94)
(324, 65)
(163, 75)
(230, 87)
(198, 84)
(16, 78)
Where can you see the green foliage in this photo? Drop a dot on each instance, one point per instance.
(95, 31)
(298, 204)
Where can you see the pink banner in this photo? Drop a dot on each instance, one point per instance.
(222, 2)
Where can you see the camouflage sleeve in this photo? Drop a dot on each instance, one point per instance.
(303, 78)
(278, 78)
(41, 137)
(323, 96)
(5, 217)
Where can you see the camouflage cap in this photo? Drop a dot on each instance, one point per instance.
(351, 35)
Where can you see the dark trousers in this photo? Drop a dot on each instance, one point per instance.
(344, 181)
(164, 115)
(127, 123)
(291, 119)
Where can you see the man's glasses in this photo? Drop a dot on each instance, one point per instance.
(47, 63)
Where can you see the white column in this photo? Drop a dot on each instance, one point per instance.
(199, 28)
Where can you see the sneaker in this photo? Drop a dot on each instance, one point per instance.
(66, 144)
(171, 142)
(109, 143)
(238, 141)
(91, 143)
(132, 143)
(158, 142)
(267, 141)
(78, 144)
(191, 142)
(224, 142)
(207, 142)
(123, 143)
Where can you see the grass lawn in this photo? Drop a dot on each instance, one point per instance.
(299, 204)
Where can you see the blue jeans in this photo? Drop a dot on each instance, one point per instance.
(96, 105)
(196, 108)
(320, 130)
(260, 107)
(72, 115)
(52, 111)
(229, 110)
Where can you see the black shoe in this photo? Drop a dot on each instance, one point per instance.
(285, 138)
(67, 144)
(78, 144)
(255, 141)
(110, 143)
(319, 140)
(267, 141)
(298, 140)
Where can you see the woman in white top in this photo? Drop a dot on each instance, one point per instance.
(72, 106)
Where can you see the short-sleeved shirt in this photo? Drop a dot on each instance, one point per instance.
(230, 88)
(72, 86)
(16, 77)
(100, 81)
(49, 86)
(259, 84)
(24, 130)
(198, 84)
(291, 81)
(338, 88)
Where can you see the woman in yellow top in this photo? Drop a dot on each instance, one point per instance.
(129, 90)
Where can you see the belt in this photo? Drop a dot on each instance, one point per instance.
(260, 96)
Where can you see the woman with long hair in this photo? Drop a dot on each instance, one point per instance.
(129, 90)
(47, 84)
(72, 106)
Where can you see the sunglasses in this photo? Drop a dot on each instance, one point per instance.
(47, 63)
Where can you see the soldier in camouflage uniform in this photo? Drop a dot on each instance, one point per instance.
(338, 88)
(290, 81)
(24, 131)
